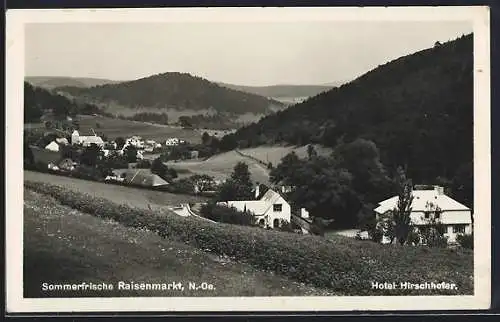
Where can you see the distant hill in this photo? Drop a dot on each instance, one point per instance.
(282, 91)
(57, 81)
(175, 91)
(418, 109)
(40, 101)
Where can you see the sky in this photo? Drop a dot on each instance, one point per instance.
(245, 53)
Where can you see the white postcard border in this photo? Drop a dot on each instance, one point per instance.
(15, 20)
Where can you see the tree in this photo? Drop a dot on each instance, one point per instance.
(131, 153)
(159, 168)
(239, 186)
(120, 142)
(164, 172)
(432, 234)
(49, 125)
(285, 171)
(202, 182)
(311, 151)
(401, 214)
(90, 155)
(205, 138)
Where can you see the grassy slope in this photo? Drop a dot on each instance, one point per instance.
(62, 245)
(220, 166)
(135, 197)
(274, 154)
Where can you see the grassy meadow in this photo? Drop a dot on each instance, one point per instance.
(135, 197)
(221, 166)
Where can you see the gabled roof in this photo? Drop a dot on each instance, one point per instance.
(258, 207)
(91, 139)
(52, 146)
(421, 199)
(144, 178)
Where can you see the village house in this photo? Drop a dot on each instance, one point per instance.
(172, 142)
(269, 209)
(78, 139)
(455, 217)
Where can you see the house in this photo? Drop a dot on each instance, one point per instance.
(135, 141)
(52, 146)
(143, 177)
(455, 217)
(195, 154)
(172, 142)
(76, 138)
(269, 209)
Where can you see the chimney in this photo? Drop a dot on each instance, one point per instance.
(257, 191)
(439, 189)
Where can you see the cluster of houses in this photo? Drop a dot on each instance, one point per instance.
(106, 147)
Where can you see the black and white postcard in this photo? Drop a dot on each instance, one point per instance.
(248, 159)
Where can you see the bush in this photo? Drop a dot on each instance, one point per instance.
(413, 238)
(184, 186)
(342, 264)
(227, 215)
(286, 226)
(143, 164)
(376, 234)
(466, 241)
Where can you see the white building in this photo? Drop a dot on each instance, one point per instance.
(172, 141)
(455, 217)
(135, 141)
(76, 138)
(269, 210)
(52, 146)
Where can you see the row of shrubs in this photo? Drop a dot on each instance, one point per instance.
(227, 215)
(343, 265)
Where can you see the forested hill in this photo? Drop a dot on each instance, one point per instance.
(418, 110)
(50, 82)
(178, 91)
(38, 101)
(281, 90)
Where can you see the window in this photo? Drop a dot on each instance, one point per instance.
(277, 207)
(459, 229)
(427, 214)
(276, 223)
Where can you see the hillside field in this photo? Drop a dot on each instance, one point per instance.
(113, 128)
(221, 166)
(63, 245)
(135, 197)
(274, 154)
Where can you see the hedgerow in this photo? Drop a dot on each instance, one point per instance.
(342, 264)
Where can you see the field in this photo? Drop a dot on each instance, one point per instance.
(63, 245)
(221, 165)
(136, 197)
(114, 128)
(274, 154)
